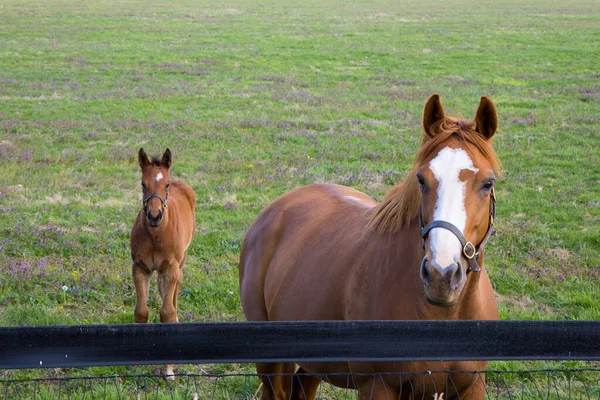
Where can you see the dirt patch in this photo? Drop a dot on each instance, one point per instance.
(522, 304)
(110, 203)
(57, 199)
(560, 253)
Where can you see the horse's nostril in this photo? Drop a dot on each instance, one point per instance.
(457, 276)
(425, 272)
(154, 219)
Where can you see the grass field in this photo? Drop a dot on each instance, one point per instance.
(256, 98)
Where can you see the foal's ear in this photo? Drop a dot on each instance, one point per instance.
(486, 120)
(434, 112)
(166, 159)
(143, 159)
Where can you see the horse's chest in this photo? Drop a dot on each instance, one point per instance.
(158, 252)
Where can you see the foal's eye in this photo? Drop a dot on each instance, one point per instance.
(168, 185)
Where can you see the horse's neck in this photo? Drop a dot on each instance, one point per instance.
(479, 298)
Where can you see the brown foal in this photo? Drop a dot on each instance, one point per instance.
(160, 237)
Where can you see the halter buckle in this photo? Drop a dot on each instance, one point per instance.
(469, 251)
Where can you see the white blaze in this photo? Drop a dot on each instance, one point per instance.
(158, 177)
(450, 207)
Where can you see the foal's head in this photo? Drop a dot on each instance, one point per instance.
(155, 185)
(456, 175)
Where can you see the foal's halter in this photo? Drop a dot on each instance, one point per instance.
(163, 201)
(470, 251)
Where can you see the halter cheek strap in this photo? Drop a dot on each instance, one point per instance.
(471, 252)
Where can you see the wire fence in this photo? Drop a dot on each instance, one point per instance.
(517, 385)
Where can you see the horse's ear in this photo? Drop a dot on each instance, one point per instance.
(434, 112)
(143, 159)
(486, 120)
(166, 159)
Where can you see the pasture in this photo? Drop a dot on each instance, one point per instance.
(257, 98)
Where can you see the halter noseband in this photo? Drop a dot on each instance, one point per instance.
(470, 251)
(163, 201)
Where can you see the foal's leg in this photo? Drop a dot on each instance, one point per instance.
(274, 385)
(141, 280)
(167, 286)
(179, 284)
(168, 279)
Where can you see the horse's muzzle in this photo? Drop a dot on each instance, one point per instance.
(442, 285)
(154, 221)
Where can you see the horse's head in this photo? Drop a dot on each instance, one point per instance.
(457, 178)
(155, 185)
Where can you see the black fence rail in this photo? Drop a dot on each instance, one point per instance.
(58, 347)
(314, 341)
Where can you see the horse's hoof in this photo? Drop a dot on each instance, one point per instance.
(169, 373)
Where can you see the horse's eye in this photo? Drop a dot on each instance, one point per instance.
(488, 185)
(421, 182)
(167, 186)
(143, 186)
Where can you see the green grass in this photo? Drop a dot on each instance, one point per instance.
(124, 386)
(256, 98)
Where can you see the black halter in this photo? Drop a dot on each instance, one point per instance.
(163, 201)
(470, 251)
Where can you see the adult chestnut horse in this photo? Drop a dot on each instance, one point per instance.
(329, 252)
(160, 237)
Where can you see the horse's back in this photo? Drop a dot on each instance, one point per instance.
(185, 197)
(184, 194)
(277, 249)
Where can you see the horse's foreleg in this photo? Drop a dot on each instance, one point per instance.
(276, 380)
(476, 390)
(376, 389)
(167, 286)
(305, 386)
(179, 283)
(141, 280)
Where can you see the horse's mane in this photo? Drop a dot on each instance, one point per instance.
(156, 162)
(401, 203)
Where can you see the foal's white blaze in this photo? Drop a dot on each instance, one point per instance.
(158, 177)
(450, 207)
